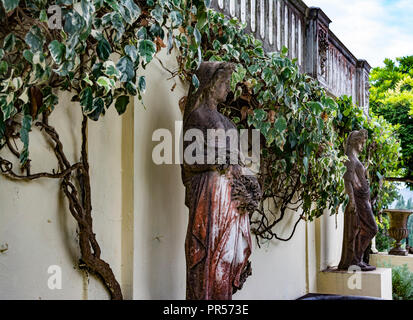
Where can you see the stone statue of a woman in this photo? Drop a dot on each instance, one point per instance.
(359, 223)
(218, 194)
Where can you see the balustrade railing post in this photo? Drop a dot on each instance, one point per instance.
(363, 85)
(316, 44)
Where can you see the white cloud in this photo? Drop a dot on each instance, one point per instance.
(371, 29)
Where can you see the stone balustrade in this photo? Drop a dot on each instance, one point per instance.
(305, 32)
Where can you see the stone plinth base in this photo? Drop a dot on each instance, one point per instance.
(377, 283)
(381, 259)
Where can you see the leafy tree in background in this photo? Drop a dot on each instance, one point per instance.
(392, 97)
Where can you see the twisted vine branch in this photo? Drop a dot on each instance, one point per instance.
(80, 201)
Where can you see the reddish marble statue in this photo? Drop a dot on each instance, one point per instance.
(219, 197)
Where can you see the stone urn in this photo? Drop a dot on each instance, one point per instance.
(398, 229)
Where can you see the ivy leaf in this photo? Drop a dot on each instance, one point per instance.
(146, 49)
(10, 5)
(24, 137)
(195, 81)
(131, 52)
(9, 42)
(106, 83)
(131, 12)
(4, 66)
(103, 49)
(176, 18)
(121, 104)
(98, 106)
(110, 69)
(34, 38)
(197, 36)
(280, 124)
(43, 16)
(260, 115)
(86, 98)
(316, 107)
(142, 84)
(157, 13)
(7, 106)
(57, 51)
(28, 55)
(125, 67)
(305, 162)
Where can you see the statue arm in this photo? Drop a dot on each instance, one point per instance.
(349, 190)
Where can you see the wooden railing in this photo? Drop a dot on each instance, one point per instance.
(305, 32)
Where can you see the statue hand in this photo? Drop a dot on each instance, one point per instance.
(351, 206)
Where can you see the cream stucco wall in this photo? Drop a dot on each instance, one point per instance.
(139, 214)
(281, 270)
(35, 221)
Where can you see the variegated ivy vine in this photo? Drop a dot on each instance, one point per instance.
(96, 55)
(303, 130)
(301, 168)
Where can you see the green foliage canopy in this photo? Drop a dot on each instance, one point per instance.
(392, 97)
(104, 42)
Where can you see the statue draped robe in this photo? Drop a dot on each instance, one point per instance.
(218, 241)
(360, 225)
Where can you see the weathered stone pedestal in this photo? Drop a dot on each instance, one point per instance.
(377, 283)
(382, 259)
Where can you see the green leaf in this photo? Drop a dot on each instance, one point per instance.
(57, 51)
(43, 16)
(24, 137)
(86, 98)
(280, 124)
(131, 52)
(28, 55)
(157, 13)
(131, 12)
(4, 66)
(103, 49)
(34, 38)
(10, 5)
(197, 36)
(121, 104)
(147, 50)
(87, 80)
(125, 67)
(316, 107)
(9, 42)
(106, 83)
(176, 18)
(7, 106)
(305, 162)
(142, 84)
(260, 115)
(98, 106)
(110, 69)
(195, 81)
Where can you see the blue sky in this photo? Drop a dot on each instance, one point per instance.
(371, 29)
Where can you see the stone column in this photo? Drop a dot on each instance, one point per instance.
(316, 44)
(363, 85)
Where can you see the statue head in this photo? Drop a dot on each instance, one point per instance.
(356, 141)
(214, 85)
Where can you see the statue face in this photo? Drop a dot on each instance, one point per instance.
(360, 145)
(222, 88)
